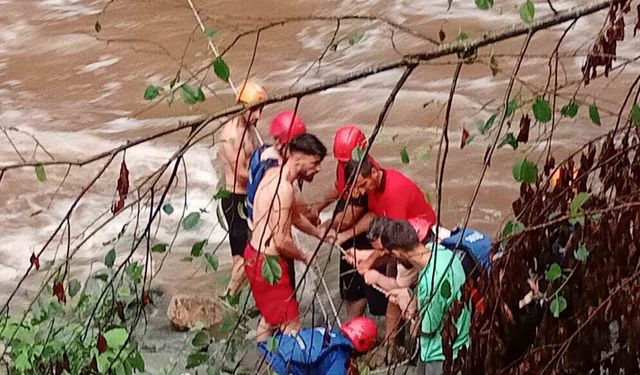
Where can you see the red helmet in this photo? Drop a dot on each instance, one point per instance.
(285, 126)
(362, 331)
(421, 225)
(347, 138)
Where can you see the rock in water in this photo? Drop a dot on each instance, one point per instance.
(185, 311)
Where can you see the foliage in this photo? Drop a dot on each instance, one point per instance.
(54, 337)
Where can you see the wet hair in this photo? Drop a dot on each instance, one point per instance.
(399, 234)
(308, 144)
(352, 166)
(377, 227)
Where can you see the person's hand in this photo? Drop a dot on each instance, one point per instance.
(371, 277)
(400, 297)
(349, 256)
(342, 237)
(313, 215)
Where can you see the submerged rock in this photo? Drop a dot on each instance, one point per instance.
(186, 310)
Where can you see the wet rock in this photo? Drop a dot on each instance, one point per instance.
(185, 311)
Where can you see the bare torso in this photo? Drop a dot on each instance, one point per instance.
(272, 208)
(237, 144)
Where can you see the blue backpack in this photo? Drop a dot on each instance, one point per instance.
(475, 248)
(312, 351)
(257, 169)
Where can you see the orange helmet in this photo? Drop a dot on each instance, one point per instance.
(347, 138)
(362, 331)
(250, 93)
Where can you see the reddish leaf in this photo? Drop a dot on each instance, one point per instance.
(102, 344)
(463, 140)
(120, 307)
(58, 291)
(442, 35)
(525, 123)
(122, 188)
(146, 298)
(35, 261)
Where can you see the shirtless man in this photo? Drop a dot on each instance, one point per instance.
(272, 241)
(239, 140)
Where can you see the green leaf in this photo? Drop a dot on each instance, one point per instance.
(470, 139)
(191, 220)
(73, 287)
(159, 248)
(222, 193)
(578, 201)
(124, 291)
(151, 92)
(570, 110)
(210, 33)
(493, 64)
(581, 252)
(221, 69)
(110, 258)
(134, 271)
(136, 361)
(40, 174)
(272, 344)
(424, 155)
(542, 110)
(484, 4)
(404, 155)
(462, 37)
(212, 261)
(271, 270)
(201, 339)
(512, 227)
(553, 273)
(554, 214)
(189, 94)
(200, 95)
(221, 219)
(355, 37)
(196, 249)
(187, 259)
(558, 305)
(445, 289)
(116, 337)
(22, 363)
(594, 114)
(488, 124)
(196, 359)
(509, 139)
(240, 210)
(525, 171)
(635, 114)
(167, 208)
(512, 106)
(357, 153)
(527, 11)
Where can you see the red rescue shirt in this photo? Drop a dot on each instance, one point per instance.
(400, 198)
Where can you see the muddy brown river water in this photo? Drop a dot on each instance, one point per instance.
(80, 92)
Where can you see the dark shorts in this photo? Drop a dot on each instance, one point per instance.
(237, 224)
(352, 285)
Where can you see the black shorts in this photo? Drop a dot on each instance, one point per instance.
(352, 285)
(237, 224)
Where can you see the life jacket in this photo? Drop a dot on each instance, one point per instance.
(257, 169)
(312, 351)
(474, 250)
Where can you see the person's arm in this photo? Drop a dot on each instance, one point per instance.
(282, 209)
(329, 197)
(360, 227)
(373, 277)
(302, 222)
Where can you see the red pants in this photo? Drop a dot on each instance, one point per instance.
(277, 303)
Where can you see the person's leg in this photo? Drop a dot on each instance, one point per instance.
(238, 238)
(237, 275)
(433, 368)
(355, 308)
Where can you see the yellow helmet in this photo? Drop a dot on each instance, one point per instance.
(250, 93)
